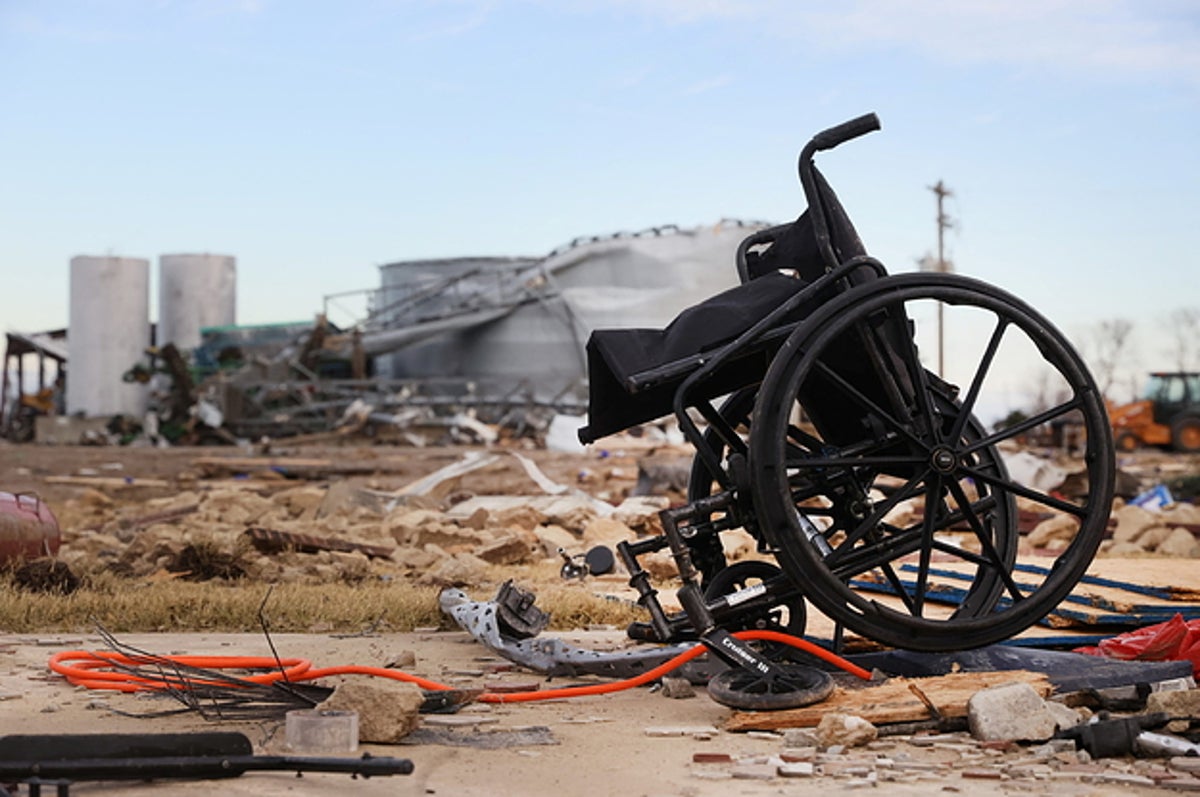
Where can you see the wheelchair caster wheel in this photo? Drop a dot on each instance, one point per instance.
(797, 686)
(786, 614)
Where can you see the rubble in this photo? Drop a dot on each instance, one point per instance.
(1178, 704)
(846, 730)
(387, 710)
(1012, 711)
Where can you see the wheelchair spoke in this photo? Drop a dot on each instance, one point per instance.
(858, 397)
(897, 319)
(1078, 510)
(853, 462)
(985, 540)
(876, 554)
(797, 435)
(933, 498)
(875, 519)
(985, 365)
(1011, 432)
(901, 589)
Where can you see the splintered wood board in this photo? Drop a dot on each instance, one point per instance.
(890, 702)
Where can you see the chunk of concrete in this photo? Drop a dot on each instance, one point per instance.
(1059, 528)
(1132, 521)
(510, 550)
(387, 710)
(553, 537)
(1064, 716)
(1012, 711)
(607, 531)
(847, 730)
(677, 688)
(1180, 543)
(1178, 703)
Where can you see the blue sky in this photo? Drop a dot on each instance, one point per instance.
(315, 141)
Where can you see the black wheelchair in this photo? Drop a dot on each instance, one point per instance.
(871, 481)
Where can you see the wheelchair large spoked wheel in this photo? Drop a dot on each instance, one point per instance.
(979, 596)
(887, 501)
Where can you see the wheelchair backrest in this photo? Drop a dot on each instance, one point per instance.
(794, 246)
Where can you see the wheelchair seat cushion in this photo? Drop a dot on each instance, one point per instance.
(615, 356)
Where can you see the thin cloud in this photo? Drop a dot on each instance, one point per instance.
(1069, 34)
(1118, 37)
(463, 19)
(29, 25)
(705, 86)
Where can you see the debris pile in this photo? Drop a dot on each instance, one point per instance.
(275, 530)
(1169, 531)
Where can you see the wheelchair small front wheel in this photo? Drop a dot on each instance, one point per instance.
(794, 686)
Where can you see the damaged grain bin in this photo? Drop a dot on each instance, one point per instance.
(512, 322)
(109, 332)
(194, 291)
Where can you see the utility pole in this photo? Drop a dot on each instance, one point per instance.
(943, 223)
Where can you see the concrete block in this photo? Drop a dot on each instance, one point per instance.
(1010, 711)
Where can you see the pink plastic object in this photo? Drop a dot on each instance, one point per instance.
(28, 529)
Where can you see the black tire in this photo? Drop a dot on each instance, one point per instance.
(880, 417)
(745, 690)
(1185, 434)
(786, 615)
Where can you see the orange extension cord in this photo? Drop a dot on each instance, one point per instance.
(98, 670)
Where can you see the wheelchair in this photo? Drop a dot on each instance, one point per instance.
(872, 482)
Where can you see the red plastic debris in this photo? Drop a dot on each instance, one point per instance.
(1175, 640)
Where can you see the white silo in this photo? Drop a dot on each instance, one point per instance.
(108, 334)
(194, 291)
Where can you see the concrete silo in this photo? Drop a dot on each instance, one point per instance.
(194, 291)
(108, 334)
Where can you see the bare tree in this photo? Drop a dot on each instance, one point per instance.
(1183, 329)
(1110, 348)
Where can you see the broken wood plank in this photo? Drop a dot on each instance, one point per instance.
(303, 467)
(277, 541)
(166, 516)
(112, 482)
(1168, 593)
(890, 702)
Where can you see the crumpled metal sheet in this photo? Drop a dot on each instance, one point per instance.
(554, 657)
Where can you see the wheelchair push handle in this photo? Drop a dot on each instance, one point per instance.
(828, 139)
(840, 134)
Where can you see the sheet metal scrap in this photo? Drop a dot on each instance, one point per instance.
(554, 657)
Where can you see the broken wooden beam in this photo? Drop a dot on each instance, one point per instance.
(891, 702)
(297, 467)
(110, 482)
(277, 541)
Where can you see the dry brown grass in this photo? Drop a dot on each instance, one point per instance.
(125, 606)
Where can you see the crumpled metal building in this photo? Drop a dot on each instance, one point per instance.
(520, 325)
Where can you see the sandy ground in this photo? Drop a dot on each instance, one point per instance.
(601, 744)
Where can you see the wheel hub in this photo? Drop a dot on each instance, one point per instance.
(943, 459)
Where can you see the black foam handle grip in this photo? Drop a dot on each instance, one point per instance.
(839, 134)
